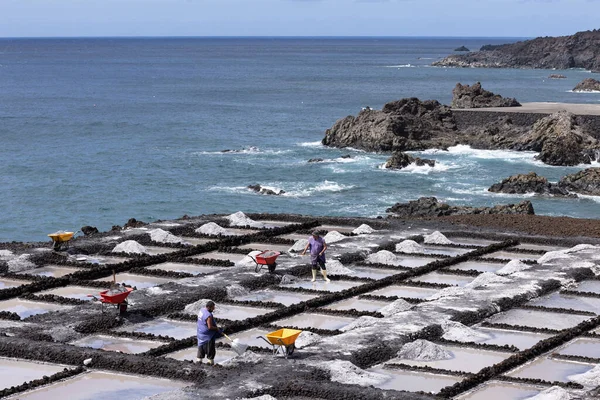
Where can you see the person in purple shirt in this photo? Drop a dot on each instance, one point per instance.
(317, 247)
(207, 333)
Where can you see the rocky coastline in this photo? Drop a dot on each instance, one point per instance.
(581, 50)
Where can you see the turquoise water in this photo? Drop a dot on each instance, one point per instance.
(97, 131)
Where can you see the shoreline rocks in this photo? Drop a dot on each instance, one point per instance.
(400, 160)
(266, 191)
(462, 48)
(556, 76)
(587, 85)
(529, 183)
(585, 182)
(581, 50)
(430, 207)
(465, 96)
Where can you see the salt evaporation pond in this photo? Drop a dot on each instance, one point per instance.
(155, 250)
(538, 319)
(413, 262)
(99, 385)
(282, 248)
(320, 284)
(413, 292)
(373, 273)
(477, 266)
(588, 286)
(559, 300)
(318, 321)
(138, 281)
(9, 283)
(494, 390)
(193, 269)
(215, 255)
(123, 345)
(354, 303)
(543, 247)
(25, 308)
(446, 251)
(236, 313)
(446, 279)
(195, 241)
(584, 347)
(504, 337)
(73, 292)
(550, 369)
(16, 372)
(50, 271)
(190, 354)
(165, 327)
(471, 241)
(507, 255)
(276, 296)
(414, 381)
(251, 337)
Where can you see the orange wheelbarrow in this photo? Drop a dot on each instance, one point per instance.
(60, 240)
(282, 340)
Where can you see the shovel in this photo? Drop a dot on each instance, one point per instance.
(236, 346)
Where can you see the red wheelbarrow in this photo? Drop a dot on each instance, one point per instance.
(116, 297)
(267, 258)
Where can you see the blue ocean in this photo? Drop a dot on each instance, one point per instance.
(97, 131)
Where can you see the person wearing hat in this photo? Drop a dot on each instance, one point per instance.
(317, 247)
(207, 333)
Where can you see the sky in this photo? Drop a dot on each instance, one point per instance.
(503, 18)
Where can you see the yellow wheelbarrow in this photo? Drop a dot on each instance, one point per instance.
(282, 340)
(60, 240)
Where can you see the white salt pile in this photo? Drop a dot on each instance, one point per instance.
(348, 373)
(306, 339)
(212, 229)
(236, 290)
(569, 253)
(249, 260)
(590, 378)
(363, 229)
(131, 247)
(288, 279)
(156, 291)
(299, 246)
(553, 393)
(409, 246)
(162, 236)
(334, 267)
(396, 307)
(195, 307)
(240, 219)
(361, 322)
(461, 333)
(554, 256)
(383, 257)
(486, 279)
(437, 237)
(20, 263)
(246, 357)
(423, 350)
(513, 266)
(334, 236)
(263, 397)
(6, 254)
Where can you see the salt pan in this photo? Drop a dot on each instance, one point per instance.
(590, 378)
(409, 246)
(333, 237)
(130, 246)
(437, 237)
(512, 267)
(162, 236)
(396, 307)
(363, 229)
(553, 393)
(212, 229)
(348, 373)
(423, 350)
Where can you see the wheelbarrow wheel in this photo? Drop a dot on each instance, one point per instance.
(289, 350)
(258, 267)
(123, 308)
(272, 267)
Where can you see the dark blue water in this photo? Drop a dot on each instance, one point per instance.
(96, 131)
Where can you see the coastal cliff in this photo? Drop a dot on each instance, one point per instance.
(581, 50)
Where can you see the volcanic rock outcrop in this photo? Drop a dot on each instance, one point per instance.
(556, 76)
(407, 124)
(529, 183)
(587, 85)
(560, 140)
(462, 48)
(264, 190)
(430, 207)
(400, 160)
(584, 182)
(465, 96)
(581, 50)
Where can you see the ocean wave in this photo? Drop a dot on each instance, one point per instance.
(245, 150)
(589, 197)
(584, 91)
(325, 186)
(506, 155)
(311, 144)
(418, 169)
(401, 66)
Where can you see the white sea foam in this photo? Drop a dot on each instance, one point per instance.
(363, 229)
(506, 155)
(334, 236)
(413, 168)
(325, 186)
(584, 91)
(130, 246)
(437, 237)
(409, 246)
(401, 66)
(311, 144)
(243, 151)
(423, 350)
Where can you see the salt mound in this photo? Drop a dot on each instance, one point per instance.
(590, 378)
(263, 397)
(437, 237)
(512, 267)
(306, 339)
(383, 257)
(240, 219)
(363, 229)
(195, 307)
(162, 236)
(461, 333)
(131, 247)
(423, 350)
(409, 246)
(299, 246)
(236, 290)
(334, 236)
(249, 260)
(212, 229)
(486, 279)
(361, 322)
(348, 373)
(246, 357)
(396, 307)
(334, 267)
(288, 279)
(156, 291)
(6, 254)
(554, 255)
(553, 393)
(20, 263)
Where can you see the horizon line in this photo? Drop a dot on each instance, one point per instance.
(265, 37)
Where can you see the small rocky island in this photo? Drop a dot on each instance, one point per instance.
(462, 48)
(581, 50)
(465, 96)
(588, 85)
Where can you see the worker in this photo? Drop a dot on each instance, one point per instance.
(317, 247)
(207, 333)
